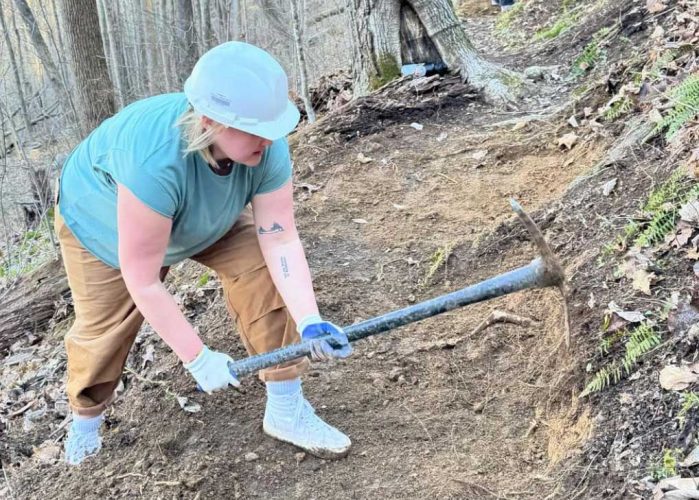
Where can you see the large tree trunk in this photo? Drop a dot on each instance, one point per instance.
(30, 304)
(390, 33)
(94, 89)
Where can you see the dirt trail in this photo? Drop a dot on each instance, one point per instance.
(432, 410)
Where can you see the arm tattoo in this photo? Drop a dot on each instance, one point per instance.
(285, 267)
(276, 228)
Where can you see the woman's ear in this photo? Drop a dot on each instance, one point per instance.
(206, 122)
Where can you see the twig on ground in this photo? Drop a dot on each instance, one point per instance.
(3, 465)
(502, 317)
(21, 410)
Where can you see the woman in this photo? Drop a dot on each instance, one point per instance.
(169, 178)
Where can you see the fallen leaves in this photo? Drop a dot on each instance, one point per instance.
(364, 159)
(642, 280)
(568, 140)
(678, 378)
(609, 186)
(655, 6)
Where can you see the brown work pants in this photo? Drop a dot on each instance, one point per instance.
(107, 320)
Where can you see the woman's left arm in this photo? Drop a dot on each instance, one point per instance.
(282, 250)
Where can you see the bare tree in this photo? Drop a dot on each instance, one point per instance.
(145, 21)
(116, 54)
(379, 49)
(185, 21)
(16, 74)
(94, 89)
(40, 47)
(301, 58)
(164, 37)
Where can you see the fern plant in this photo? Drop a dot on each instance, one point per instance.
(590, 56)
(684, 99)
(619, 106)
(664, 205)
(641, 340)
(690, 402)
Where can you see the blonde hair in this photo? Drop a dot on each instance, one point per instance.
(198, 139)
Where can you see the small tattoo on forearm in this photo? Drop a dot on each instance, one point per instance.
(276, 228)
(285, 267)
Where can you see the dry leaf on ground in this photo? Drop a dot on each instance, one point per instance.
(364, 159)
(655, 6)
(642, 280)
(677, 378)
(630, 316)
(608, 187)
(690, 211)
(568, 140)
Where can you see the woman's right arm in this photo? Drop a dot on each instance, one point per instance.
(143, 239)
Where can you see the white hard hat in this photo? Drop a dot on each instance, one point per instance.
(243, 87)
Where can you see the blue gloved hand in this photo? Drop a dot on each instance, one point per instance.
(312, 327)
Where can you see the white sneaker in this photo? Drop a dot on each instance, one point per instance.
(303, 428)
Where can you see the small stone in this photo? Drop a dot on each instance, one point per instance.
(394, 374)
(300, 457)
(534, 73)
(251, 456)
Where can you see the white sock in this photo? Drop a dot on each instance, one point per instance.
(282, 397)
(84, 424)
(83, 438)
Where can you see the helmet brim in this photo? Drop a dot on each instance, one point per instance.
(273, 130)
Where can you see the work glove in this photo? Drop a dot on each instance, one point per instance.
(210, 370)
(312, 327)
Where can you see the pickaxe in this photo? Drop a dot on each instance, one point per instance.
(542, 272)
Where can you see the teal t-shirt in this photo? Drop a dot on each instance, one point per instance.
(142, 148)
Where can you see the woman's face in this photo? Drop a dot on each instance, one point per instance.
(236, 145)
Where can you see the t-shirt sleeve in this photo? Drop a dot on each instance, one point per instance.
(151, 181)
(276, 169)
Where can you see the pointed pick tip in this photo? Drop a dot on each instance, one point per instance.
(515, 206)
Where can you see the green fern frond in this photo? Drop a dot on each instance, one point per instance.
(662, 224)
(606, 376)
(684, 99)
(591, 54)
(607, 343)
(690, 402)
(617, 108)
(642, 340)
(667, 192)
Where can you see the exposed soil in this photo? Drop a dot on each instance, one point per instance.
(433, 410)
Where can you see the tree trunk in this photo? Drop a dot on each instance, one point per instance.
(117, 56)
(301, 58)
(42, 50)
(163, 33)
(20, 54)
(31, 303)
(16, 74)
(185, 22)
(390, 33)
(205, 16)
(146, 26)
(94, 89)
